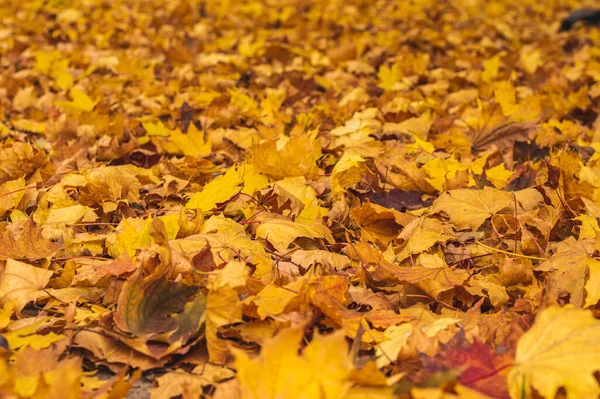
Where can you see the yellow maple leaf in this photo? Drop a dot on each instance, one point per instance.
(357, 133)
(488, 287)
(560, 350)
(155, 129)
(20, 160)
(71, 214)
(296, 156)
(180, 383)
(55, 65)
(81, 102)
(204, 98)
(298, 189)
(491, 67)
(506, 96)
(531, 58)
(321, 371)
(281, 233)
(498, 175)
(253, 180)
(270, 105)
(378, 222)
(441, 170)
(64, 80)
(192, 143)
(131, 234)
(470, 208)
(63, 381)
(396, 338)
(24, 98)
(421, 234)
(273, 299)
(46, 62)
(5, 313)
(28, 337)
(219, 190)
(519, 111)
(244, 102)
(309, 257)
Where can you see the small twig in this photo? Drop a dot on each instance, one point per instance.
(509, 253)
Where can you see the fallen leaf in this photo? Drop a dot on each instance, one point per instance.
(22, 283)
(24, 240)
(470, 208)
(218, 191)
(296, 157)
(322, 370)
(281, 233)
(568, 334)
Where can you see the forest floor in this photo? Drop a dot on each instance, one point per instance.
(298, 199)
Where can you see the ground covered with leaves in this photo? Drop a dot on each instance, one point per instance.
(299, 199)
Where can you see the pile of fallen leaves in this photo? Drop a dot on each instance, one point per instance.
(299, 199)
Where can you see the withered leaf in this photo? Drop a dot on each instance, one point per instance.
(24, 240)
(209, 177)
(153, 306)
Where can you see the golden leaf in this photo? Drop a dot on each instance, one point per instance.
(470, 208)
(322, 370)
(560, 350)
(218, 191)
(22, 283)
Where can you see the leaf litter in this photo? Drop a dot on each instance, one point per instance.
(299, 199)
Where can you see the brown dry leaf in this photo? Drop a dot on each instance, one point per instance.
(146, 306)
(18, 160)
(150, 305)
(24, 240)
(378, 222)
(115, 353)
(179, 383)
(504, 135)
(96, 269)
